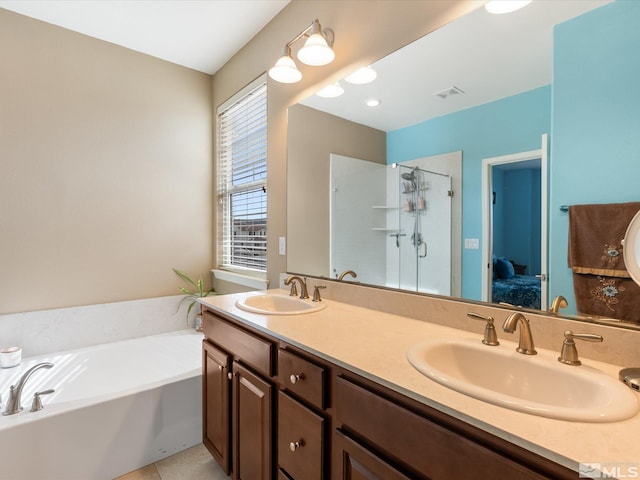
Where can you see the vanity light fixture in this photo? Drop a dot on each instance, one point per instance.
(505, 6)
(316, 51)
(362, 76)
(331, 91)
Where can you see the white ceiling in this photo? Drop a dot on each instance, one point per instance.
(199, 34)
(486, 56)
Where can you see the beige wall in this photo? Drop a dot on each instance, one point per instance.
(365, 30)
(105, 180)
(312, 136)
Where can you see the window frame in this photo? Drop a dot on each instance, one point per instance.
(225, 189)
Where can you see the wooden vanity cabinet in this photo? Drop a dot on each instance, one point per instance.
(215, 404)
(381, 434)
(238, 398)
(275, 411)
(303, 423)
(252, 429)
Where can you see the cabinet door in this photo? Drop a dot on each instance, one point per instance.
(252, 401)
(352, 461)
(215, 404)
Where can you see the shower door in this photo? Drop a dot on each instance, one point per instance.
(424, 230)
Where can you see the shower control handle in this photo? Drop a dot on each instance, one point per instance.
(398, 235)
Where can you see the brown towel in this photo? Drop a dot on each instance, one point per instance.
(601, 282)
(595, 237)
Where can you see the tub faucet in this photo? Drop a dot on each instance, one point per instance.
(525, 344)
(303, 285)
(15, 392)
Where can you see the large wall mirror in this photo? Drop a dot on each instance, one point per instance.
(542, 101)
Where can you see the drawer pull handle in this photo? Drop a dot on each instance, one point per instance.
(296, 378)
(293, 446)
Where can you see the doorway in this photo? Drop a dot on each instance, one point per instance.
(514, 229)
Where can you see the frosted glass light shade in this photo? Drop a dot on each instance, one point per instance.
(316, 51)
(505, 6)
(285, 70)
(362, 76)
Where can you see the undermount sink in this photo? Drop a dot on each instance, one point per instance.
(275, 304)
(536, 384)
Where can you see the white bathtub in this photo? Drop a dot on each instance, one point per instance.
(116, 408)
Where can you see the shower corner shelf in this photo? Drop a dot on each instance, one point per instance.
(384, 229)
(384, 207)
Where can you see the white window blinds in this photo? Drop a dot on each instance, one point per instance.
(242, 182)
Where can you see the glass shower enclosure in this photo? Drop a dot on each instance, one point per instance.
(422, 257)
(391, 224)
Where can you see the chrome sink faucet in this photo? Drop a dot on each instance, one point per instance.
(525, 345)
(303, 285)
(15, 392)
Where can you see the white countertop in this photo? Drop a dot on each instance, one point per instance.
(374, 344)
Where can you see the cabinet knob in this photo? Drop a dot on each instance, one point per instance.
(220, 367)
(230, 376)
(296, 378)
(293, 446)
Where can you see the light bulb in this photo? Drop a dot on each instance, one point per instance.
(316, 51)
(285, 70)
(362, 76)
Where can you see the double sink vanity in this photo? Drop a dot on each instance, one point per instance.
(305, 390)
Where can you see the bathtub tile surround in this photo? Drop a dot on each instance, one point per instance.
(48, 331)
(195, 463)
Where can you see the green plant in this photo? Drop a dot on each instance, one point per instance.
(199, 291)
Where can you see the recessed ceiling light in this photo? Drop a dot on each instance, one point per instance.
(362, 76)
(331, 91)
(505, 6)
(373, 102)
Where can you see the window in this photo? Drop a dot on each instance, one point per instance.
(242, 180)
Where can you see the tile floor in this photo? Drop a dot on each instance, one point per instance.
(195, 463)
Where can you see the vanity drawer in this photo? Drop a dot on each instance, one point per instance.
(246, 347)
(301, 439)
(302, 377)
(418, 443)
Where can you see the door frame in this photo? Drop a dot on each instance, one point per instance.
(487, 216)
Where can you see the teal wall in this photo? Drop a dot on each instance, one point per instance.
(591, 111)
(516, 219)
(490, 130)
(595, 140)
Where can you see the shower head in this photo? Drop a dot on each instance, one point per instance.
(411, 176)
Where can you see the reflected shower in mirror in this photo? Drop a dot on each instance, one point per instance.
(393, 224)
(482, 86)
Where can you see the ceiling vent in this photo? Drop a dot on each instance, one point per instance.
(449, 91)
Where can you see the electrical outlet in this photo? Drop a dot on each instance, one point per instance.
(282, 245)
